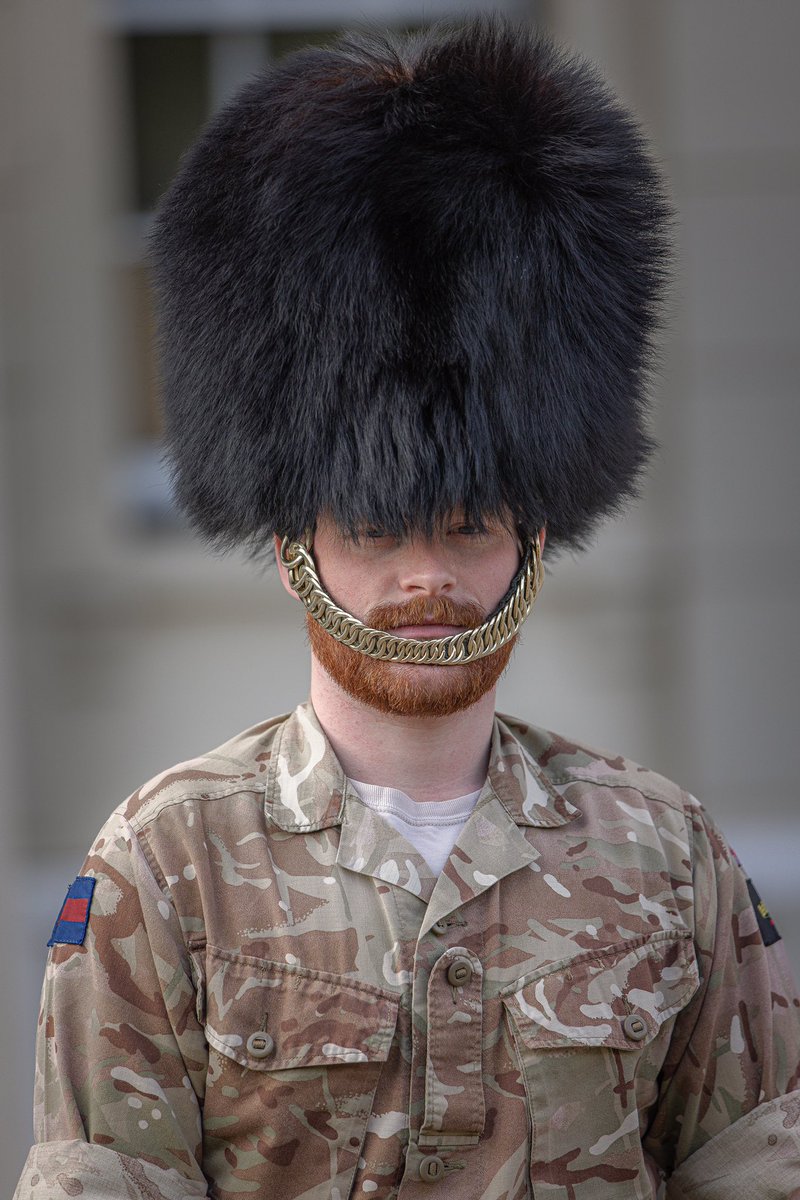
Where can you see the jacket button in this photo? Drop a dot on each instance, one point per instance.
(260, 1045)
(634, 1028)
(439, 927)
(459, 972)
(431, 1169)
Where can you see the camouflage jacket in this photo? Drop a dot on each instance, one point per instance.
(276, 998)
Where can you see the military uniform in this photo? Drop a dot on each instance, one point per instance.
(275, 997)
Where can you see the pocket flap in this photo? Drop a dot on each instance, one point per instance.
(272, 1016)
(618, 998)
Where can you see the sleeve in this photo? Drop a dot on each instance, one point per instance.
(121, 1057)
(727, 1121)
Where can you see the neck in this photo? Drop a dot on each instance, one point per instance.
(428, 758)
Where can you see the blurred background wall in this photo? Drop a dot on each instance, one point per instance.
(125, 648)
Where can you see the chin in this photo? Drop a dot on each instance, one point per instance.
(406, 689)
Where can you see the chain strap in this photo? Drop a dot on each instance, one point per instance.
(463, 647)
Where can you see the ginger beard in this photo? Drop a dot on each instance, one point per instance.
(403, 688)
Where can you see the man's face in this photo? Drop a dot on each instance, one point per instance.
(419, 587)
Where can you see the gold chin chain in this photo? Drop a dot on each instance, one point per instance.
(464, 647)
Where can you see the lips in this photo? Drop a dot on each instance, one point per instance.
(427, 631)
(426, 617)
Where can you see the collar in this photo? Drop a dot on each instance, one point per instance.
(306, 786)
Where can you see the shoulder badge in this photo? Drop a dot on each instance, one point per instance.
(766, 925)
(70, 927)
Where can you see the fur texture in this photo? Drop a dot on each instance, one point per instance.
(401, 275)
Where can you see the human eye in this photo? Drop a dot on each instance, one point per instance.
(465, 530)
(374, 535)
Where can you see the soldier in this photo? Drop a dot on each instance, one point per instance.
(393, 941)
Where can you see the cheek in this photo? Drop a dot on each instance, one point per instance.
(498, 575)
(353, 588)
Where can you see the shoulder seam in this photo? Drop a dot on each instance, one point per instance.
(621, 781)
(152, 861)
(149, 857)
(158, 877)
(153, 808)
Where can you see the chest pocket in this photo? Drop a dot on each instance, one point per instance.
(591, 1034)
(295, 1058)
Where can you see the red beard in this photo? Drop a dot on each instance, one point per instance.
(403, 688)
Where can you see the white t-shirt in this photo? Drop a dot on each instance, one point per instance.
(431, 826)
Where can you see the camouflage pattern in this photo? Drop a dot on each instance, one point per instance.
(277, 998)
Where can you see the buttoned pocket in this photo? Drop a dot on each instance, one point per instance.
(591, 1034)
(295, 1060)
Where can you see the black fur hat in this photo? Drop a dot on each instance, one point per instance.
(401, 275)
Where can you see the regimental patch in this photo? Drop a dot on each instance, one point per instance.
(766, 925)
(70, 928)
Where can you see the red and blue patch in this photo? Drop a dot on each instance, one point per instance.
(70, 928)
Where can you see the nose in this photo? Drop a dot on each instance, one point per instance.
(426, 569)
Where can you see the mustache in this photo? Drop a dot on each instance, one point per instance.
(423, 610)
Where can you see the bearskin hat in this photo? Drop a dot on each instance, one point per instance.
(400, 276)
